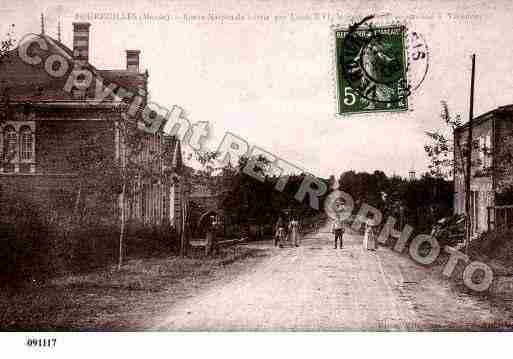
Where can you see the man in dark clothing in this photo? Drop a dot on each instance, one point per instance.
(338, 230)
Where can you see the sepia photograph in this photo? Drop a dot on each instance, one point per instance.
(332, 167)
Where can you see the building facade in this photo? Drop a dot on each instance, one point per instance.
(60, 142)
(491, 168)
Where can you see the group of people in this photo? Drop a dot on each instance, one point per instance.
(369, 238)
(290, 232)
(287, 232)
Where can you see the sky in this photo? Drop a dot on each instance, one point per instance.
(270, 79)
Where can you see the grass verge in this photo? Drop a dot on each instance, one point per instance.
(112, 300)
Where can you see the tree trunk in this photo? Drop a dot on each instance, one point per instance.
(183, 234)
(122, 229)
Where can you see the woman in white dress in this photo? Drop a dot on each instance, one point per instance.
(294, 231)
(369, 239)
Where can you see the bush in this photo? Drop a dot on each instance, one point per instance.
(42, 239)
(152, 241)
(21, 230)
(496, 245)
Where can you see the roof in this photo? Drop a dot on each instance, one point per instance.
(28, 83)
(127, 79)
(486, 116)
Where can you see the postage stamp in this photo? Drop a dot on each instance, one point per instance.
(372, 67)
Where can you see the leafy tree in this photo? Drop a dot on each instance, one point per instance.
(207, 159)
(441, 146)
(5, 104)
(132, 171)
(251, 199)
(418, 203)
(365, 187)
(100, 176)
(7, 44)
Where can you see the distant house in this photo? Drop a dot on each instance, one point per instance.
(491, 170)
(45, 124)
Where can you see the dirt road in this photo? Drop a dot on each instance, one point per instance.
(315, 287)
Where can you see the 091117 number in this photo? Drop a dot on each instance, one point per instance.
(41, 342)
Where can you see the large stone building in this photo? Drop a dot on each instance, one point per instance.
(59, 141)
(491, 179)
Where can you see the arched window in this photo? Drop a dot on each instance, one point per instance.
(26, 144)
(10, 143)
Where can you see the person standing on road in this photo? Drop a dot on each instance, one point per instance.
(279, 232)
(337, 229)
(211, 246)
(369, 239)
(294, 231)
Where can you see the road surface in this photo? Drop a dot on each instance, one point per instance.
(315, 287)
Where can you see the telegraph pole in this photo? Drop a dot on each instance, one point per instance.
(468, 222)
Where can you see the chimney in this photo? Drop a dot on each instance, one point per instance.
(132, 60)
(81, 43)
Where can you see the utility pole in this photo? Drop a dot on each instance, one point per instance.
(468, 222)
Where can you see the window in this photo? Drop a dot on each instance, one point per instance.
(10, 143)
(26, 144)
(485, 152)
(18, 146)
(488, 151)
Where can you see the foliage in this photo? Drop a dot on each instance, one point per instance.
(441, 146)
(494, 245)
(207, 159)
(504, 197)
(365, 187)
(7, 44)
(39, 240)
(418, 203)
(5, 48)
(98, 177)
(252, 200)
(246, 199)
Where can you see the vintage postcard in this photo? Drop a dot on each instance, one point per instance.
(277, 166)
